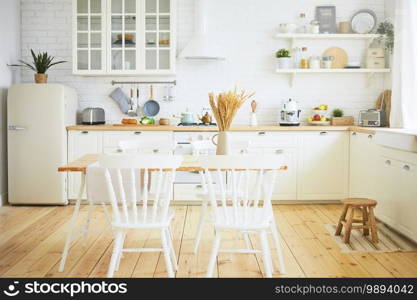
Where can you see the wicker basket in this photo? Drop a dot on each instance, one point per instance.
(342, 121)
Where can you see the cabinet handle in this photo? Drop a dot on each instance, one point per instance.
(199, 186)
(406, 168)
(323, 133)
(279, 151)
(119, 150)
(262, 133)
(388, 162)
(354, 134)
(155, 150)
(84, 132)
(138, 133)
(370, 136)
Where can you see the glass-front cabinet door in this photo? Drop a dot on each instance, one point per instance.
(89, 32)
(159, 54)
(124, 37)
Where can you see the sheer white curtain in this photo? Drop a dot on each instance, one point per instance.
(404, 85)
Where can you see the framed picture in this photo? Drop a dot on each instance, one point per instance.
(326, 16)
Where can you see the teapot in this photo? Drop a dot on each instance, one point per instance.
(206, 119)
(186, 118)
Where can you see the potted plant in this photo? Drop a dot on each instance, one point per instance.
(339, 120)
(41, 63)
(386, 32)
(283, 59)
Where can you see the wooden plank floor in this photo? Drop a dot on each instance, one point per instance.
(32, 238)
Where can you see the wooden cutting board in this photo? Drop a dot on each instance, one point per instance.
(340, 57)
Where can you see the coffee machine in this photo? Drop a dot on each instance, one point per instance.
(290, 114)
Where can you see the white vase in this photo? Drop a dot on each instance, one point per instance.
(284, 62)
(253, 119)
(223, 145)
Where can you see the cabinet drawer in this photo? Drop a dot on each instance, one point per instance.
(112, 139)
(265, 139)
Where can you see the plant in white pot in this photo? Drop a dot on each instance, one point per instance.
(41, 63)
(225, 107)
(283, 59)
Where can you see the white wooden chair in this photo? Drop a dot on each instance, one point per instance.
(122, 180)
(155, 147)
(247, 209)
(206, 147)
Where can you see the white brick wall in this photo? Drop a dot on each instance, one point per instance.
(245, 28)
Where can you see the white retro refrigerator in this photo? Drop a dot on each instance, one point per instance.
(37, 116)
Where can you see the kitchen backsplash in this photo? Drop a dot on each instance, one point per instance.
(245, 29)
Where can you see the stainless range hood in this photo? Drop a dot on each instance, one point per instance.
(202, 45)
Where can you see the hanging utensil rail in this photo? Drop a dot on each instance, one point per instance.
(143, 82)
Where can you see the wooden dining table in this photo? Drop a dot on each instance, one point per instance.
(190, 163)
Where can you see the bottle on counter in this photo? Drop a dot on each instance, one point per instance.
(304, 61)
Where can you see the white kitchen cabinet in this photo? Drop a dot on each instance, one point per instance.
(323, 160)
(397, 190)
(124, 37)
(363, 160)
(79, 144)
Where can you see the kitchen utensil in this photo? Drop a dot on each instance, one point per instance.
(186, 118)
(131, 112)
(254, 105)
(326, 16)
(93, 116)
(151, 108)
(340, 57)
(364, 21)
(384, 103)
(290, 114)
(253, 118)
(122, 100)
(206, 119)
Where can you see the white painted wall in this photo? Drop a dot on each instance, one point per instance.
(9, 53)
(245, 28)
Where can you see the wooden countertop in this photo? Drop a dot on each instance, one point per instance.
(214, 129)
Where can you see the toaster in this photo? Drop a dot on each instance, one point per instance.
(93, 116)
(372, 118)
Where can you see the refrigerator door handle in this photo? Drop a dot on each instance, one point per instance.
(13, 127)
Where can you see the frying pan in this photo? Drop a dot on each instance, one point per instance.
(151, 108)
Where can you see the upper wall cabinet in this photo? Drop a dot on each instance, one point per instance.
(124, 37)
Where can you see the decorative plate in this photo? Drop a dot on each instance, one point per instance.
(364, 21)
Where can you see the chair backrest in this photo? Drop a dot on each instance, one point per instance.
(123, 181)
(250, 183)
(206, 147)
(155, 147)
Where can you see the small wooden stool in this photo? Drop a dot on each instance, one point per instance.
(366, 206)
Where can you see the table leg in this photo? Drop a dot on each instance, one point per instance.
(72, 224)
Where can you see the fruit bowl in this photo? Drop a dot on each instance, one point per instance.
(319, 123)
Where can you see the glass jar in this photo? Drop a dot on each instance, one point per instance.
(315, 62)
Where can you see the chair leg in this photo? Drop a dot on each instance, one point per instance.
(266, 254)
(121, 252)
(278, 246)
(117, 248)
(365, 221)
(200, 225)
(348, 226)
(87, 222)
(214, 252)
(172, 249)
(372, 221)
(342, 218)
(246, 239)
(167, 254)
